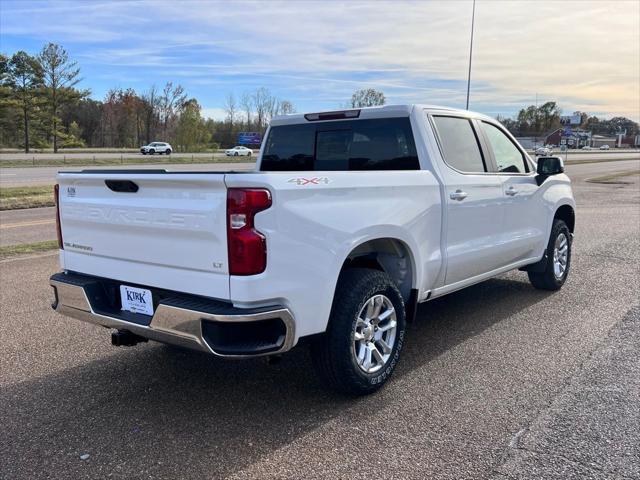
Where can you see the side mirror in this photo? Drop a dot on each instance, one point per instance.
(548, 166)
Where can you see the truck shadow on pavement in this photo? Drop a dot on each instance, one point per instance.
(155, 411)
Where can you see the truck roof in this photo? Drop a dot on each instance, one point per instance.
(383, 111)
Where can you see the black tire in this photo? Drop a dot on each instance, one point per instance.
(547, 279)
(152, 151)
(144, 153)
(168, 151)
(249, 154)
(235, 154)
(333, 352)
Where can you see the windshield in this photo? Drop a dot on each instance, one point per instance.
(375, 144)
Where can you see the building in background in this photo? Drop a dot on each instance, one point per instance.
(571, 137)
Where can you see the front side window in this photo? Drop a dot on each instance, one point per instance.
(509, 158)
(459, 144)
(372, 144)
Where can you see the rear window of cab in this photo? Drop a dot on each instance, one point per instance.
(372, 144)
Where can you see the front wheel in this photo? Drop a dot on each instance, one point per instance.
(361, 347)
(235, 154)
(168, 151)
(249, 154)
(152, 151)
(558, 256)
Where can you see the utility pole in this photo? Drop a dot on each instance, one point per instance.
(535, 140)
(473, 18)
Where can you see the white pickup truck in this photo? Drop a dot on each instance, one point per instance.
(350, 220)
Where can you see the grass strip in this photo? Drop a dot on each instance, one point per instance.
(613, 178)
(27, 248)
(13, 198)
(159, 159)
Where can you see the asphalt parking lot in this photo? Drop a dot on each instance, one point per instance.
(496, 381)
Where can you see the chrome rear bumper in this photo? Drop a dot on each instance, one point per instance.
(176, 321)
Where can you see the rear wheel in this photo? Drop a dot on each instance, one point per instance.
(361, 347)
(558, 256)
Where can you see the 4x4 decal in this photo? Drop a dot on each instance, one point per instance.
(310, 181)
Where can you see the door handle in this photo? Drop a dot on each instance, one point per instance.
(458, 195)
(511, 191)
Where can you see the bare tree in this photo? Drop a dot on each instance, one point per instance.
(231, 108)
(60, 76)
(263, 102)
(171, 98)
(368, 97)
(151, 101)
(247, 104)
(260, 102)
(286, 107)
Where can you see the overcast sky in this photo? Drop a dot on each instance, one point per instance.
(585, 55)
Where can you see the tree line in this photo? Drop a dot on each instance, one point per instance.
(539, 120)
(42, 107)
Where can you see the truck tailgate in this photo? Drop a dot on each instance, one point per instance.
(166, 230)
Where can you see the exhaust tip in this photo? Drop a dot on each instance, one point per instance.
(124, 338)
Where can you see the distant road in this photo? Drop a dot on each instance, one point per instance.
(19, 177)
(28, 225)
(99, 155)
(28, 176)
(36, 157)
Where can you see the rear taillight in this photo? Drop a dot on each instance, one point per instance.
(56, 198)
(247, 246)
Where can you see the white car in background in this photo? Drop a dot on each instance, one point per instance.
(238, 151)
(543, 151)
(156, 147)
(604, 147)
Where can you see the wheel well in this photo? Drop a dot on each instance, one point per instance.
(566, 214)
(388, 255)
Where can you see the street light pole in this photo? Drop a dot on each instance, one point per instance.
(473, 17)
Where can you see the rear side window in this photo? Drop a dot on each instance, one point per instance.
(508, 157)
(374, 144)
(459, 144)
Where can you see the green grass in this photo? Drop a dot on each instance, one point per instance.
(155, 159)
(614, 177)
(27, 248)
(12, 198)
(71, 150)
